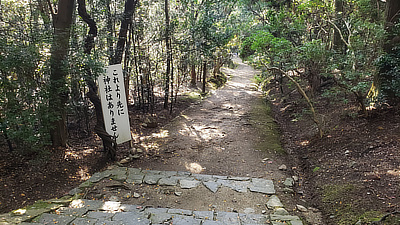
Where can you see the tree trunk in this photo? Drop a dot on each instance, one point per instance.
(110, 146)
(59, 70)
(193, 76)
(204, 77)
(168, 49)
(122, 38)
(110, 30)
(392, 15)
(130, 6)
(338, 44)
(172, 81)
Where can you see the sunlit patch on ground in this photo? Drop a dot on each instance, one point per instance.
(395, 172)
(194, 167)
(201, 132)
(305, 143)
(72, 153)
(83, 173)
(151, 146)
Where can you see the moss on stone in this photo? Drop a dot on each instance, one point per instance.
(261, 119)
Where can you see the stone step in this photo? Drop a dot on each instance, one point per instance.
(136, 196)
(96, 212)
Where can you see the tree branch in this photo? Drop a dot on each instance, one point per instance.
(89, 41)
(303, 93)
(340, 33)
(51, 10)
(130, 6)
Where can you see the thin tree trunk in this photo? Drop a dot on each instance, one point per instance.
(193, 76)
(3, 129)
(204, 76)
(172, 83)
(126, 63)
(110, 30)
(130, 6)
(303, 93)
(168, 49)
(338, 43)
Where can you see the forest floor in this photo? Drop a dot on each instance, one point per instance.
(350, 174)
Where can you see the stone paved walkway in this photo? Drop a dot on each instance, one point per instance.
(72, 210)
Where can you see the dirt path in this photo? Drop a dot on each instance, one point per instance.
(229, 133)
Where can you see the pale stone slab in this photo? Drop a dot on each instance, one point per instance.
(284, 218)
(211, 222)
(169, 173)
(168, 181)
(131, 218)
(187, 184)
(253, 219)
(296, 222)
(160, 218)
(149, 211)
(180, 212)
(274, 202)
(152, 178)
(262, 186)
(203, 177)
(228, 218)
(135, 178)
(72, 211)
(289, 182)
(99, 215)
(136, 171)
(239, 178)
(84, 221)
(119, 173)
(99, 176)
(212, 186)
(185, 220)
(47, 218)
(206, 215)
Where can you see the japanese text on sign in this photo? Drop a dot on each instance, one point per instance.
(114, 105)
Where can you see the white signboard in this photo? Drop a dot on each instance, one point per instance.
(113, 101)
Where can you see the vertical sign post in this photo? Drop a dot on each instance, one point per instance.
(114, 105)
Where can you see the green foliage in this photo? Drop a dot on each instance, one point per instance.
(218, 80)
(315, 52)
(24, 114)
(246, 50)
(389, 74)
(357, 65)
(23, 98)
(267, 49)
